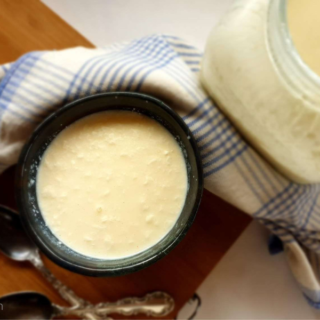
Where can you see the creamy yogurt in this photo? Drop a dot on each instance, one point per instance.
(112, 184)
(304, 26)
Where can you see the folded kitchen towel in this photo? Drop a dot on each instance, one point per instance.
(167, 68)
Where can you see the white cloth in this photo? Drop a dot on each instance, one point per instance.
(167, 68)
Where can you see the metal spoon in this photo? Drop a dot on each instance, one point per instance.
(33, 305)
(15, 244)
(26, 305)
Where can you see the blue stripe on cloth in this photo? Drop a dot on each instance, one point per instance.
(230, 160)
(129, 59)
(33, 93)
(78, 75)
(282, 228)
(47, 71)
(265, 173)
(187, 86)
(316, 216)
(185, 74)
(223, 125)
(262, 183)
(226, 151)
(279, 227)
(13, 74)
(83, 80)
(197, 108)
(191, 89)
(25, 99)
(192, 61)
(302, 207)
(123, 57)
(224, 135)
(248, 182)
(307, 241)
(153, 54)
(55, 66)
(173, 75)
(189, 54)
(7, 99)
(4, 107)
(208, 121)
(5, 69)
(91, 63)
(120, 57)
(124, 76)
(153, 59)
(310, 211)
(159, 66)
(12, 71)
(273, 202)
(168, 36)
(182, 45)
(254, 175)
(290, 204)
(163, 61)
(42, 87)
(295, 203)
(37, 76)
(136, 74)
(219, 137)
(295, 226)
(188, 79)
(227, 146)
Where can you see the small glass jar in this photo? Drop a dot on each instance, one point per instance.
(253, 71)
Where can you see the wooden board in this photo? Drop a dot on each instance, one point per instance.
(27, 25)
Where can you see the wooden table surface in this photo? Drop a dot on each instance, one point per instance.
(27, 25)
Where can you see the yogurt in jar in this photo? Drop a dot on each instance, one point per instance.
(304, 26)
(112, 184)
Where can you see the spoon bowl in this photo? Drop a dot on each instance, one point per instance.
(14, 242)
(26, 305)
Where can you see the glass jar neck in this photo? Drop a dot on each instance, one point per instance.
(292, 69)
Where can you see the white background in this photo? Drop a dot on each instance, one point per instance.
(248, 283)
(108, 21)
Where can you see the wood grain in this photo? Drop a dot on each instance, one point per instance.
(27, 25)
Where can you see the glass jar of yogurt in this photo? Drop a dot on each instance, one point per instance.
(259, 69)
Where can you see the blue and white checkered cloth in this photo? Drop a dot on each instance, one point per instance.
(167, 68)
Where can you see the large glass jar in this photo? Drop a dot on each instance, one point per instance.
(253, 71)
